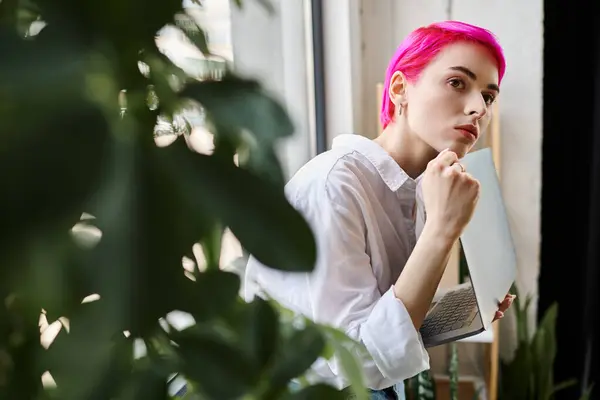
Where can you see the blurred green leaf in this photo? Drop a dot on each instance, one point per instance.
(519, 388)
(158, 74)
(544, 353)
(8, 12)
(147, 383)
(220, 370)
(264, 162)
(352, 370)
(453, 370)
(563, 385)
(260, 337)
(211, 246)
(20, 349)
(107, 360)
(297, 353)
(63, 144)
(211, 295)
(587, 393)
(215, 185)
(319, 391)
(237, 103)
(53, 279)
(192, 31)
(422, 387)
(349, 352)
(149, 221)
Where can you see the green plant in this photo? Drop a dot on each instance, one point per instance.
(420, 387)
(453, 371)
(80, 102)
(529, 375)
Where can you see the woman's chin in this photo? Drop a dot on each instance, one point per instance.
(459, 148)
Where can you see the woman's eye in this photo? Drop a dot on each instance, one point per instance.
(489, 99)
(456, 83)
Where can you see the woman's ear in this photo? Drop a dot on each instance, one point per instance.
(397, 90)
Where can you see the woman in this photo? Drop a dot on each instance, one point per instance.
(380, 259)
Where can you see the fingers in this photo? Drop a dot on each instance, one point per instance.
(458, 167)
(446, 158)
(499, 315)
(504, 305)
(508, 299)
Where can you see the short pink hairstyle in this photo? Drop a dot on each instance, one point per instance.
(424, 44)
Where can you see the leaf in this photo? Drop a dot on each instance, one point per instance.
(265, 223)
(517, 382)
(264, 162)
(192, 31)
(261, 336)
(453, 371)
(563, 385)
(147, 383)
(587, 393)
(8, 12)
(319, 391)
(219, 369)
(158, 73)
(235, 103)
(211, 246)
(425, 387)
(544, 353)
(297, 354)
(148, 224)
(89, 350)
(348, 352)
(20, 349)
(48, 191)
(53, 278)
(211, 295)
(523, 320)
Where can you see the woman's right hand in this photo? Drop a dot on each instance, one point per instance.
(449, 195)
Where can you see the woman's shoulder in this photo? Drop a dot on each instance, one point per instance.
(338, 174)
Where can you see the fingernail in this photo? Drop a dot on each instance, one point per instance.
(500, 314)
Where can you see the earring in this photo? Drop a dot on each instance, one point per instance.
(399, 110)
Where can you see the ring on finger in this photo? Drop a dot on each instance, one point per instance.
(462, 168)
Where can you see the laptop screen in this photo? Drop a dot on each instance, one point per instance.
(487, 241)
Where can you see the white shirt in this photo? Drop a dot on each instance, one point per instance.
(361, 207)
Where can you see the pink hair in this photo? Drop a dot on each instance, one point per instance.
(424, 44)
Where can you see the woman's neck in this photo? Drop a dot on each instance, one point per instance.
(406, 148)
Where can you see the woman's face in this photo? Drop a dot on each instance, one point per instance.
(450, 105)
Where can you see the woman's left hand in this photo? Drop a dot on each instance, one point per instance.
(504, 305)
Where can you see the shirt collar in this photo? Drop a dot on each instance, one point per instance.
(389, 170)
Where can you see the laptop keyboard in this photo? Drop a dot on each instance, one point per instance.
(453, 311)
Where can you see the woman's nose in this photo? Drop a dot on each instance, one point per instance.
(476, 106)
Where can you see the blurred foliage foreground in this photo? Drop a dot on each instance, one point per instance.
(77, 118)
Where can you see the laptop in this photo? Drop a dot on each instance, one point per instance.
(469, 308)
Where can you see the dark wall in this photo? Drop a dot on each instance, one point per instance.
(570, 245)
